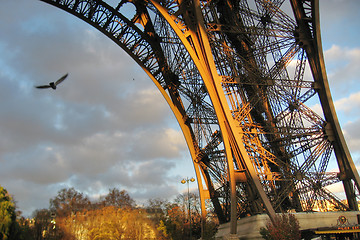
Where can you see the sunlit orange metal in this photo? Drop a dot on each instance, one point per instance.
(202, 56)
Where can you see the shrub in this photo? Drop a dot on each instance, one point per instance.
(285, 226)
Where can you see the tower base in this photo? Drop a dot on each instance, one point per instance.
(315, 222)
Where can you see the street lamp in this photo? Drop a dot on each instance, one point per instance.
(183, 182)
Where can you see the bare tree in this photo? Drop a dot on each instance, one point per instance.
(69, 201)
(118, 198)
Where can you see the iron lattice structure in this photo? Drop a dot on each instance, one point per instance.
(240, 78)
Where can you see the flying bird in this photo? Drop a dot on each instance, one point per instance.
(54, 84)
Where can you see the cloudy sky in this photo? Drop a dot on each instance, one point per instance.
(107, 125)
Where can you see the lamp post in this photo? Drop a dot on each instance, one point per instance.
(183, 182)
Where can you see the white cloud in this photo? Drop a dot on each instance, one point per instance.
(349, 105)
(351, 132)
(342, 65)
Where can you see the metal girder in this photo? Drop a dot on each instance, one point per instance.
(233, 74)
(307, 17)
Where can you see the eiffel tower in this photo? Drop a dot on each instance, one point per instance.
(240, 78)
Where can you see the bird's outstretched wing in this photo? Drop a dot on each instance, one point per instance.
(61, 79)
(43, 86)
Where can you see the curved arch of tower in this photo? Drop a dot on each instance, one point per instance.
(240, 78)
